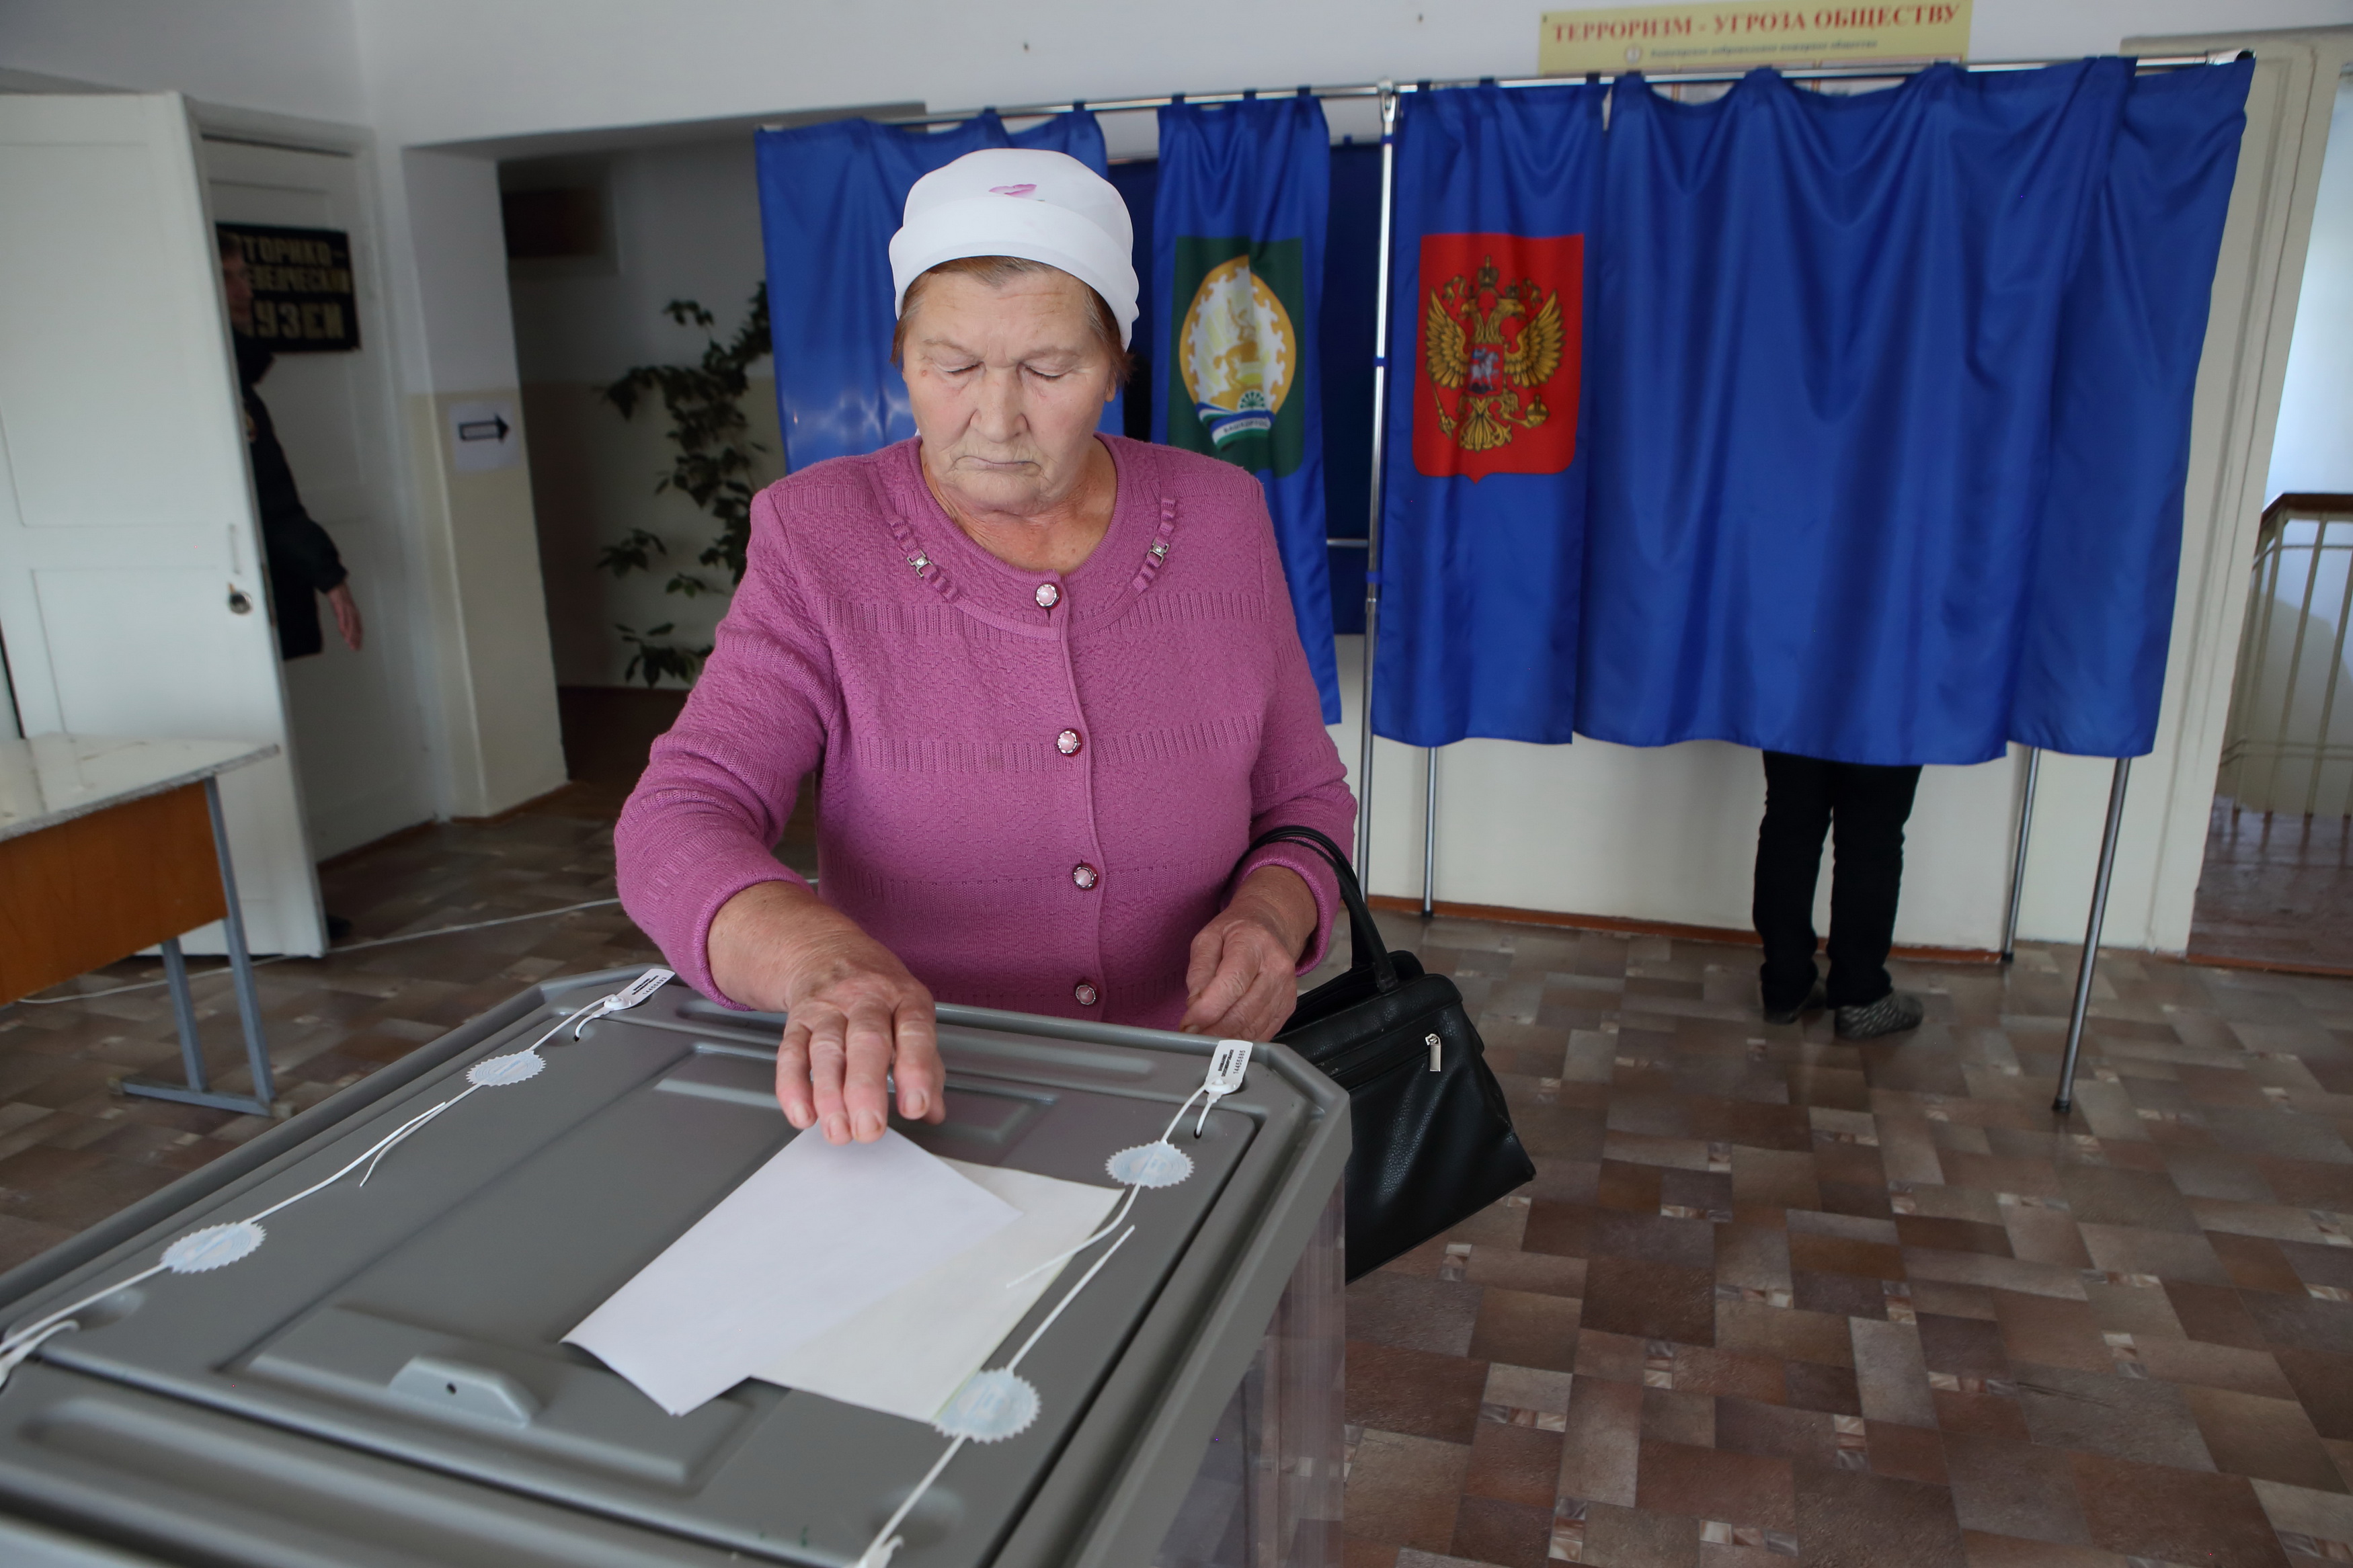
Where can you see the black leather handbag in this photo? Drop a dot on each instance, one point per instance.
(1433, 1141)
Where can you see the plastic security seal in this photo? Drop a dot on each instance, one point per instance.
(1229, 1065)
(621, 1001)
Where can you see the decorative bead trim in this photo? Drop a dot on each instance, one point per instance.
(1157, 556)
(929, 570)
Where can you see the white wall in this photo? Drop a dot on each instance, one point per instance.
(497, 676)
(287, 57)
(2314, 450)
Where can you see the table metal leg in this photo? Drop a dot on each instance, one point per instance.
(197, 1091)
(183, 1013)
(248, 998)
(2067, 1097)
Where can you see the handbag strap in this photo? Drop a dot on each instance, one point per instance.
(1367, 950)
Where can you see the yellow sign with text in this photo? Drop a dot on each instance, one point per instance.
(1738, 33)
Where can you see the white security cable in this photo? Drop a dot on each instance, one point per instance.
(195, 975)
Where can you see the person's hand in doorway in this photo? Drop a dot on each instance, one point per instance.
(347, 614)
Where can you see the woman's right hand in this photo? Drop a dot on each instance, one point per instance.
(856, 1020)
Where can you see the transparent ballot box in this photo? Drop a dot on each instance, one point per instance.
(379, 1382)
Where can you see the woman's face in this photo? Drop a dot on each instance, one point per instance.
(1007, 385)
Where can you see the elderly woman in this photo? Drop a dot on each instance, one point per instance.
(1049, 679)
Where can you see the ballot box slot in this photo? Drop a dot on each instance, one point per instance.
(981, 1116)
(1063, 1057)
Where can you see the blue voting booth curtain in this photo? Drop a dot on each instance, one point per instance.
(830, 197)
(2092, 665)
(1237, 292)
(1484, 490)
(1890, 412)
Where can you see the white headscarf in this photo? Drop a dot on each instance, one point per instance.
(1012, 201)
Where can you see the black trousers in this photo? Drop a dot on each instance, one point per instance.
(1803, 797)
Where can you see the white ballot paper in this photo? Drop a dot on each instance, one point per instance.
(812, 1237)
(909, 1353)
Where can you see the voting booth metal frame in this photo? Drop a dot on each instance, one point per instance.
(272, 1411)
(1388, 93)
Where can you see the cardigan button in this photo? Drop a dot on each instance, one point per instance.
(1085, 875)
(1049, 595)
(1068, 743)
(1085, 994)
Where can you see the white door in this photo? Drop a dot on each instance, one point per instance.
(359, 744)
(131, 598)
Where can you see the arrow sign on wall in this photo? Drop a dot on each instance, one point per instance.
(482, 436)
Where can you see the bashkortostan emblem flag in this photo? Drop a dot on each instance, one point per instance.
(1237, 348)
(1238, 230)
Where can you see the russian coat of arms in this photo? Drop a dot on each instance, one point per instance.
(1496, 382)
(1489, 347)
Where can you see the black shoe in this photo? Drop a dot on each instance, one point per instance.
(1815, 1001)
(338, 928)
(1891, 1015)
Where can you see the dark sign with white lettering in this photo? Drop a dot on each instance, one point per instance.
(303, 296)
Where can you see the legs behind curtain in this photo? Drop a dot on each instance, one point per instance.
(1803, 797)
(1788, 862)
(1870, 807)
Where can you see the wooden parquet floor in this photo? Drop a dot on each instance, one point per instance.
(2276, 889)
(1775, 1298)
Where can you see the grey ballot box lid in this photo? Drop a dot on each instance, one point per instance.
(382, 1383)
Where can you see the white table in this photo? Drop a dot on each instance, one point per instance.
(108, 846)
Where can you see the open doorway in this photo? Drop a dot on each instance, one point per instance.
(605, 248)
(2277, 887)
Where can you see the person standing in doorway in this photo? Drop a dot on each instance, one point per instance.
(1804, 796)
(303, 561)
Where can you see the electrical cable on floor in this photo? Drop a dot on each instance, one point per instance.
(195, 975)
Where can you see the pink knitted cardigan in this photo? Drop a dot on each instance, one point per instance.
(1035, 786)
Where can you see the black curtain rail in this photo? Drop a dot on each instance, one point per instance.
(1880, 71)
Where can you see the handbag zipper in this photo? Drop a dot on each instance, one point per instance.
(1370, 1060)
(1433, 1052)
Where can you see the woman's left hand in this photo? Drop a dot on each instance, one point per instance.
(1243, 979)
